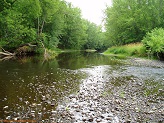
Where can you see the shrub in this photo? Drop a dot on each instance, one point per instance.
(154, 42)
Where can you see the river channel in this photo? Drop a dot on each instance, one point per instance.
(80, 87)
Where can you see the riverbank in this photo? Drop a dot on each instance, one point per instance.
(136, 50)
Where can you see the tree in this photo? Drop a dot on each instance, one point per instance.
(154, 42)
(74, 34)
(16, 22)
(95, 37)
(47, 24)
(128, 21)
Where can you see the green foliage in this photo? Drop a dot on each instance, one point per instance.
(74, 34)
(154, 42)
(95, 37)
(47, 23)
(127, 21)
(128, 50)
(14, 27)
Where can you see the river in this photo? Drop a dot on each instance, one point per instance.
(81, 87)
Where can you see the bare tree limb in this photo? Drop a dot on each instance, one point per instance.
(6, 58)
(6, 53)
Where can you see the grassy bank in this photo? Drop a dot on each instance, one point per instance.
(136, 50)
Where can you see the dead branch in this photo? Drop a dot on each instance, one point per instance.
(31, 45)
(6, 58)
(28, 44)
(6, 53)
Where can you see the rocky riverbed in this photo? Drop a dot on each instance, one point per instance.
(124, 91)
(146, 62)
(88, 105)
(124, 95)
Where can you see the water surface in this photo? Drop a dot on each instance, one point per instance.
(31, 87)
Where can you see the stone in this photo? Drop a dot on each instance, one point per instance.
(99, 120)
(53, 112)
(109, 118)
(90, 119)
(5, 107)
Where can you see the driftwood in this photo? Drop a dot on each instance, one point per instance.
(6, 53)
(28, 44)
(6, 58)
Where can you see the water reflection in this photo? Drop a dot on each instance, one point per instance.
(77, 60)
(31, 87)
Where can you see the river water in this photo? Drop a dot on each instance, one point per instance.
(32, 88)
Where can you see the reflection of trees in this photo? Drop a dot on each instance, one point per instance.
(28, 81)
(78, 60)
(29, 78)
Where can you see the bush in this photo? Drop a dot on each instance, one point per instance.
(154, 42)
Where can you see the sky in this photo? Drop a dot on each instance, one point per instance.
(92, 10)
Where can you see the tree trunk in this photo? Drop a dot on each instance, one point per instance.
(41, 30)
(38, 28)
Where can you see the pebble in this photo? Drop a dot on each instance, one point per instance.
(32, 111)
(5, 107)
(53, 112)
(109, 118)
(99, 120)
(84, 118)
(43, 98)
(90, 119)
(77, 110)
(151, 111)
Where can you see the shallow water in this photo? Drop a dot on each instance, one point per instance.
(31, 88)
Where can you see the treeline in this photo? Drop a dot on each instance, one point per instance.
(48, 24)
(130, 21)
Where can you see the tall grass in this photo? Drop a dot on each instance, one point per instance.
(136, 49)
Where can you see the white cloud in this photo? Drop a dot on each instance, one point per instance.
(92, 9)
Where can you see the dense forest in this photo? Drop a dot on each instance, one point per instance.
(41, 25)
(45, 24)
